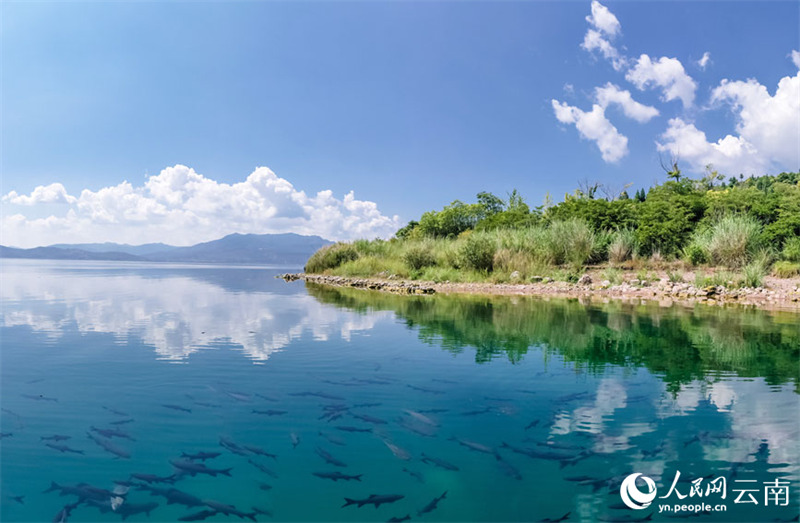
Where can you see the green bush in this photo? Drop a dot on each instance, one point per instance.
(791, 249)
(754, 273)
(623, 245)
(786, 269)
(675, 276)
(734, 240)
(419, 255)
(330, 257)
(477, 252)
(571, 241)
(697, 251)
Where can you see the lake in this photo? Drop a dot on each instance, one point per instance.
(328, 404)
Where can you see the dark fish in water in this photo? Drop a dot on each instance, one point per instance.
(352, 429)
(192, 468)
(476, 412)
(399, 520)
(63, 515)
(62, 448)
(373, 499)
(477, 447)
(263, 512)
(230, 445)
(324, 454)
(259, 451)
(6, 434)
(563, 458)
(422, 418)
(116, 412)
(508, 469)
(556, 520)
(200, 455)
(122, 421)
(432, 505)
(359, 405)
(199, 516)
(264, 486)
(438, 462)
(208, 405)
(424, 389)
(10, 412)
(526, 391)
(239, 396)
(398, 452)
(423, 429)
(532, 424)
(560, 446)
(442, 380)
(572, 397)
(229, 510)
(127, 509)
(432, 411)
(414, 474)
(39, 397)
(152, 478)
(369, 419)
(175, 496)
(176, 407)
(55, 437)
(108, 446)
(83, 491)
(268, 398)
(318, 395)
(112, 433)
(336, 476)
(295, 439)
(270, 412)
(18, 499)
(333, 439)
(263, 468)
(35, 380)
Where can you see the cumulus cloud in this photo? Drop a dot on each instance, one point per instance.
(594, 126)
(665, 73)
(603, 19)
(182, 207)
(611, 94)
(704, 61)
(796, 58)
(605, 27)
(53, 193)
(768, 128)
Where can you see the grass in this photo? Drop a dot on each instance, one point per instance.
(733, 240)
(613, 275)
(786, 269)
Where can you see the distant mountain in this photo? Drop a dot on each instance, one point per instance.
(266, 249)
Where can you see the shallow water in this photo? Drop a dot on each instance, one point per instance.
(544, 407)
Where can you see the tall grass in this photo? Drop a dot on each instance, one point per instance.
(733, 240)
(623, 245)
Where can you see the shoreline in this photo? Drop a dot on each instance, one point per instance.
(779, 294)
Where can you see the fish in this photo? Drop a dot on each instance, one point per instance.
(6, 434)
(336, 476)
(507, 468)
(399, 520)
(263, 468)
(192, 468)
(433, 411)
(152, 478)
(477, 447)
(62, 516)
(83, 491)
(264, 486)
(332, 439)
(208, 405)
(268, 398)
(179, 497)
(239, 396)
(116, 412)
(270, 412)
(201, 455)
(352, 429)
(39, 397)
(398, 452)
(128, 509)
(108, 446)
(532, 424)
(421, 417)
(55, 437)
(416, 427)
(324, 454)
(318, 395)
(295, 439)
(556, 520)
(476, 412)
(369, 419)
(438, 462)
(360, 405)
(373, 499)
(424, 389)
(198, 516)
(432, 505)
(414, 474)
(563, 458)
(18, 499)
(493, 398)
(560, 446)
(229, 509)
(63, 448)
(230, 445)
(122, 421)
(259, 451)
(176, 407)
(263, 512)
(112, 433)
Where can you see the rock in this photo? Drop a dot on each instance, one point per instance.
(585, 280)
(514, 275)
(605, 284)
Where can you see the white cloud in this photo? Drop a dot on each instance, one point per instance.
(181, 207)
(611, 94)
(796, 58)
(53, 193)
(594, 126)
(704, 61)
(603, 19)
(666, 73)
(768, 130)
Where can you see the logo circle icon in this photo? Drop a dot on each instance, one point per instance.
(635, 498)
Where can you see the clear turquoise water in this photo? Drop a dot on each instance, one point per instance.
(600, 391)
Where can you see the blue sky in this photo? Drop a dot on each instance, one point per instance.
(138, 122)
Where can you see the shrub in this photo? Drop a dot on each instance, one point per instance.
(330, 257)
(571, 241)
(791, 249)
(613, 275)
(754, 273)
(786, 269)
(734, 239)
(697, 251)
(623, 245)
(419, 255)
(675, 276)
(477, 252)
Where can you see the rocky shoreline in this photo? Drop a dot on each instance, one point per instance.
(776, 295)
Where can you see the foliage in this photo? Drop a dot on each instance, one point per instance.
(733, 240)
(331, 256)
(786, 269)
(623, 245)
(791, 249)
(419, 255)
(477, 252)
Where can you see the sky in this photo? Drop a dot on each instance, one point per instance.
(181, 122)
